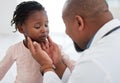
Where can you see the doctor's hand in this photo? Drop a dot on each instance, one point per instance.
(54, 52)
(40, 56)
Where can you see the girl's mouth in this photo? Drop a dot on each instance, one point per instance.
(43, 38)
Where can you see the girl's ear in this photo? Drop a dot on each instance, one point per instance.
(80, 22)
(20, 28)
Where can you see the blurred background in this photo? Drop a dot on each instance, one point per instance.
(56, 25)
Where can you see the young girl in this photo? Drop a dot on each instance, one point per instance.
(31, 20)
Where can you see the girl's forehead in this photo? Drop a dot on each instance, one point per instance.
(34, 16)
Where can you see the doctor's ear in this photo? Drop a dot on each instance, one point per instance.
(80, 22)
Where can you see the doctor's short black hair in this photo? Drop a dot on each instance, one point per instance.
(23, 10)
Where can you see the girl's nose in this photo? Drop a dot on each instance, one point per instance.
(44, 29)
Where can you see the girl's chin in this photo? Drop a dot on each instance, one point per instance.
(42, 41)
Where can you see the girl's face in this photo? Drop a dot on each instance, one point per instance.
(36, 26)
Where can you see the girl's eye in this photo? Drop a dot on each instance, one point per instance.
(46, 25)
(37, 26)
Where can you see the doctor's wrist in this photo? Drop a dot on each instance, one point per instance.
(47, 67)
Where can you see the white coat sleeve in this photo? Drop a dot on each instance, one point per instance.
(51, 77)
(66, 75)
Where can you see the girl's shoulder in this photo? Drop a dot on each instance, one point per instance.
(15, 46)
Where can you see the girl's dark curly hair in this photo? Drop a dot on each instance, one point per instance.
(23, 10)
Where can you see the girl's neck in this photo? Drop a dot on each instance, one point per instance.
(25, 43)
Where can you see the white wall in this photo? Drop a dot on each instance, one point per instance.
(7, 7)
(114, 6)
